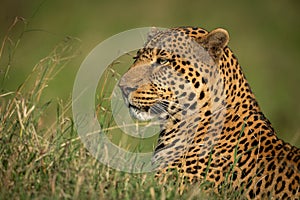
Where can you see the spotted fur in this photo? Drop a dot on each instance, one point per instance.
(212, 127)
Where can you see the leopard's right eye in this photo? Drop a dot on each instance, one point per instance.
(162, 61)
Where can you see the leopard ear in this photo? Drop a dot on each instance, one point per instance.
(214, 42)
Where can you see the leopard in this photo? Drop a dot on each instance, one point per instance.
(211, 125)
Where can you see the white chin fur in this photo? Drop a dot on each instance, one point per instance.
(142, 116)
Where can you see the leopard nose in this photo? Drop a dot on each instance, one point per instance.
(127, 90)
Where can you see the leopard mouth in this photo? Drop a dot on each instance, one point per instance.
(138, 113)
(141, 115)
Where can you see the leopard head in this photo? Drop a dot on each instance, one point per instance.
(173, 73)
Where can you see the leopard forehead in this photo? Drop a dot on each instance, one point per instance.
(173, 43)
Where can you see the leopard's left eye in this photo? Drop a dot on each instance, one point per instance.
(162, 61)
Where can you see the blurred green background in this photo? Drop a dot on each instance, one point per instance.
(265, 36)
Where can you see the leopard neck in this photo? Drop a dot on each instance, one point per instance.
(240, 101)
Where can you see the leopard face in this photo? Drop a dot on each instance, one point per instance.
(164, 80)
(211, 125)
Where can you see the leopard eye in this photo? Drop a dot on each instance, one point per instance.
(162, 61)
